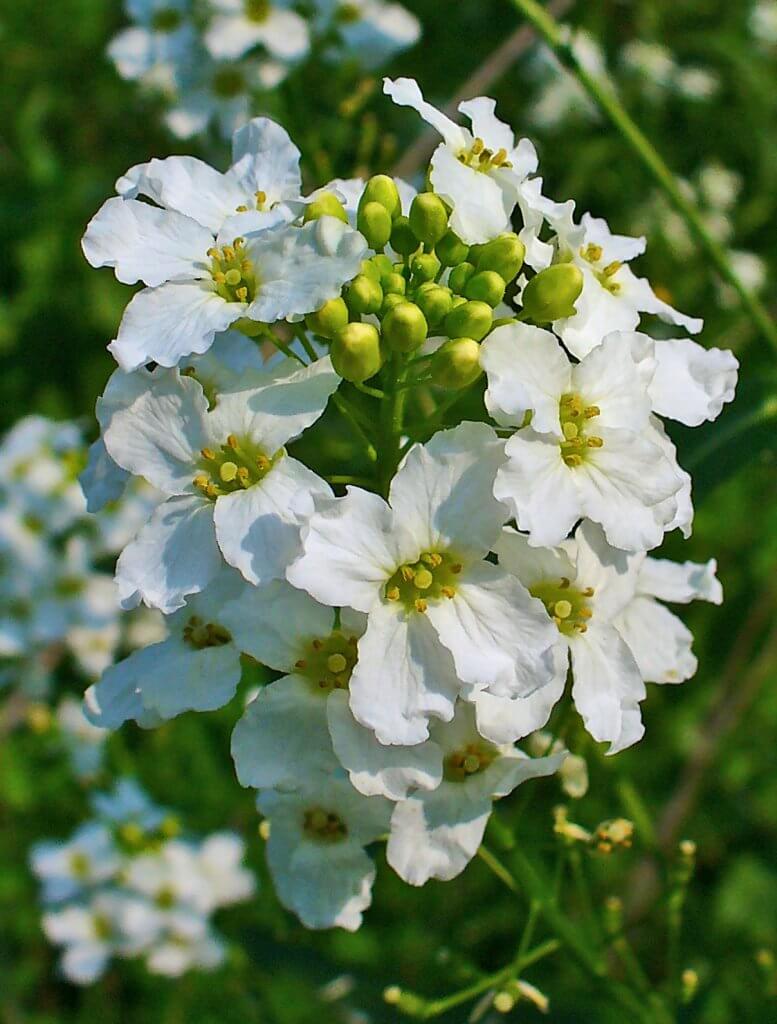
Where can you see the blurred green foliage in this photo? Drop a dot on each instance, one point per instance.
(68, 128)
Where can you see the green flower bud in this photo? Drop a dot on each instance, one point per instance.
(457, 300)
(486, 286)
(403, 240)
(428, 218)
(425, 267)
(363, 295)
(355, 352)
(374, 222)
(456, 363)
(458, 277)
(391, 299)
(551, 294)
(325, 205)
(435, 303)
(370, 269)
(328, 320)
(469, 320)
(404, 327)
(503, 255)
(382, 189)
(451, 250)
(251, 328)
(382, 264)
(394, 283)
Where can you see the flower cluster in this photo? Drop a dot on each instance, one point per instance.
(55, 596)
(212, 60)
(126, 884)
(422, 619)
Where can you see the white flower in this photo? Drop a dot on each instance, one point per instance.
(233, 490)
(240, 25)
(220, 862)
(162, 39)
(373, 31)
(67, 869)
(128, 804)
(589, 451)
(658, 640)
(481, 173)
(316, 849)
(441, 620)
(84, 741)
(206, 258)
(196, 668)
(613, 297)
(434, 834)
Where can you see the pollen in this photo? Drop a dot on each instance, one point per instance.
(482, 159)
(575, 417)
(327, 662)
(235, 466)
(200, 634)
(567, 605)
(469, 760)
(233, 273)
(431, 578)
(323, 825)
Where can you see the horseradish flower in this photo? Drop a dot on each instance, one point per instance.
(441, 620)
(372, 31)
(67, 869)
(589, 451)
(316, 849)
(162, 39)
(481, 172)
(613, 297)
(232, 489)
(196, 252)
(84, 742)
(584, 584)
(240, 25)
(435, 834)
(197, 668)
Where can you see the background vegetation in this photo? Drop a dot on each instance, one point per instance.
(68, 128)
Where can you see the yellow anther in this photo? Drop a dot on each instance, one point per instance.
(477, 146)
(588, 592)
(485, 156)
(244, 476)
(564, 583)
(228, 472)
(499, 157)
(301, 663)
(423, 579)
(393, 593)
(581, 627)
(432, 558)
(263, 462)
(590, 411)
(242, 294)
(228, 253)
(420, 605)
(592, 253)
(448, 592)
(214, 253)
(201, 481)
(232, 442)
(219, 277)
(261, 199)
(573, 460)
(570, 430)
(456, 568)
(471, 763)
(213, 491)
(316, 645)
(238, 242)
(563, 609)
(336, 663)
(407, 573)
(233, 277)
(585, 613)
(207, 453)
(612, 268)
(595, 442)
(242, 208)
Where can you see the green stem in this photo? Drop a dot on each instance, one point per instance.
(283, 347)
(604, 97)
(392, 411)
(498, 868)
(358, 481)
(299, 331)
(344, 408)
(367, 390)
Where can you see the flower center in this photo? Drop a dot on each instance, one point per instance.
(324, 826)
(480, 158)
(233, 272)
(593, 254)
(432, 577)
(165, 898)
(199, 634)
(567, 605)
(347, 14)
(69, 586)
(257, 10)
(228, 83)
(575, 417)
(236, 466)
(79, 864)
(328, 662)
(103, 929)
(260, 203)
(166, 20)
(469, 760)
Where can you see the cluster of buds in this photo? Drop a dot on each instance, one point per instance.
(616, 834)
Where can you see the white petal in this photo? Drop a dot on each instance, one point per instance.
(164, 324)
(116, 698)
(406, 93)
(374, 768)
(506, 720)
(265, 159)
(102, 481)
(659, 641)
(349, 551)
(508, 772)
(616, 247)
(159, 435)
(526, 370)
(283, 736)
(487, 126)
(285, 34)
(175, 554)
(609, 378)
(607, 687)
(692, 384)
(403, 676)
(500, 637)
(680, 582)
(638, 291)
(481, 209)
(85, 962)
(301, 268)
(258, 530)
(230, 36)
(185, 679)
(441, 496)
(532, 564)
(599, 312)
(143, 243)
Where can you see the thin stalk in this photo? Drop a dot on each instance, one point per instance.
(498, 868)
(283, 347)
(604, 97)
(300, 333)
(367, 390)
(358, 481)
(344, 407)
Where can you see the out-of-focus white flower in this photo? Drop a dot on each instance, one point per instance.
(161, 40)
(237, 26)
(763, 22)
(83, 741)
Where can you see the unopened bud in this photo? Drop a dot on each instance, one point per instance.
(393, 283)
(551, 294)
(381, 263)
(486, 286)
(456, 363)
(458, 277)
(328, 320)
(325, 205)
(374, 222)
(428, 218)
(391, 299)
(503, 1002)
(382, 189)
(403, 240)
(404, 327)
(435, 303)
(469, 320)
(425, 267)
(451, 250)
(574, 776)
(363, 295)
(355, 352)
(503, 255)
